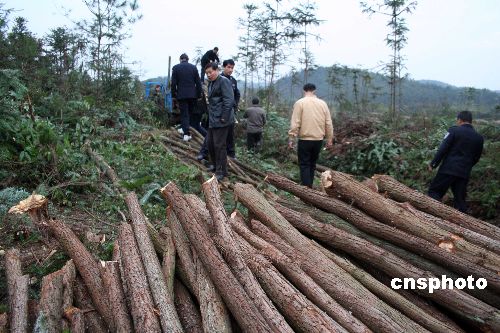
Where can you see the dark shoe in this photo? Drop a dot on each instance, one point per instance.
(201, 157)
(211, 168)
(233, 158)
(219, 177)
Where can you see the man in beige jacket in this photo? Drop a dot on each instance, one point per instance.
(311, 123)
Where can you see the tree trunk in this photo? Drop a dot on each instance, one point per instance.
(189, 314)
(19, 305)
(110, 271)
(381, 230)
(455, 300)
(402, 193)
(340, 285)
(303, 315)
(215, 315)
(76, 319)
(93, 321)
(50, 307)
(168, 316)
(229, 248)
(86, 264)
(291, 270)
(168, 264)
(386, 211)
(13, 270)
(141, 301)
(231, 291)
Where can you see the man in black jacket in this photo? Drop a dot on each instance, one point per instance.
(228, 66)
(459, 152)
(221, 117)
(186, 88)
(208, 57)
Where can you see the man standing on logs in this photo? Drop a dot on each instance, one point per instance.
(311, 122)
(221, 118)
(460, 151)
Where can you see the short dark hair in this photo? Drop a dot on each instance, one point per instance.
(465, 116)
(216, 48)
(228, 62)
(213, 65)
(255, 101)
(309, 87)
(184, 56)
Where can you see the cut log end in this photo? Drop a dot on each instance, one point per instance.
(326, 179)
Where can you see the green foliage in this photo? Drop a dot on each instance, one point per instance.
(9, 197)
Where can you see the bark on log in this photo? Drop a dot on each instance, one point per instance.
(86, 264)
(340, 285)
(291, 270)
(76, 319)
(13, 270)
(103, 165)
(386, 211)
(110, 271)
(381, 230)
(303, 315)
(19, 306)
(141, 301)
(117, 257)
(189, 314)
(50, 307)
(168, 316)
(69, 276)
(229, 248)
(412, 258)
(168, 263)
(215, 315)
(231, 291)
(199, 207)
(4, 323)
(92, 319)
(402, 193)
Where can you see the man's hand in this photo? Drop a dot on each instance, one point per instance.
(429, 167)
(290, 144)
(329, 143)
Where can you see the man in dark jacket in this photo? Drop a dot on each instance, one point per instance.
(208, 57)
(221, 117)
(228, 66)
(255, 121)
(186, 88)
(459, 152)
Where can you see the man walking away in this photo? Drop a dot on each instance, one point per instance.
(255, 121)
(221, 117)
(311, 123)
(459, 152)
(208, 57)
(228, 66)
(186, 88)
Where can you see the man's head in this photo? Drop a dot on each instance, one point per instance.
(157, 87)
(212, 71)
(309, 88)
(184, 57)
(216, 50)
(255, 101)
(464, 117)
(228, 66)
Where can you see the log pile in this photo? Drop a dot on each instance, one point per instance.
(312, 262)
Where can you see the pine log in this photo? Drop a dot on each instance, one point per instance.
(105, 167)
(76, 319)
(302, 314)
(117, 257)
(412, 258)
(19, 306)
(69, 276)
(381, 230)
(91, 318)
(386, 211)
(229, 248)
(110, 271)
(13, 270)
(189, 314)
(141, 301)
(455, 300)
(168, 263)
(86, 264)
(231, 291)
(402, 193)
(291, 270)
(214, 313)
(51, 300)
(340, 285)
(168, 316)
(199, 207)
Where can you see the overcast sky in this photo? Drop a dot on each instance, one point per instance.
(454, 41)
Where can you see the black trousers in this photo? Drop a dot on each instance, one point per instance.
(217, 148)
(442, 182)
(308, 152)
(254, 141)
(186, 106)
(231, 150)
(195, 122)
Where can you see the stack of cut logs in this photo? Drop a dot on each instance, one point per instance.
(318, 261)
